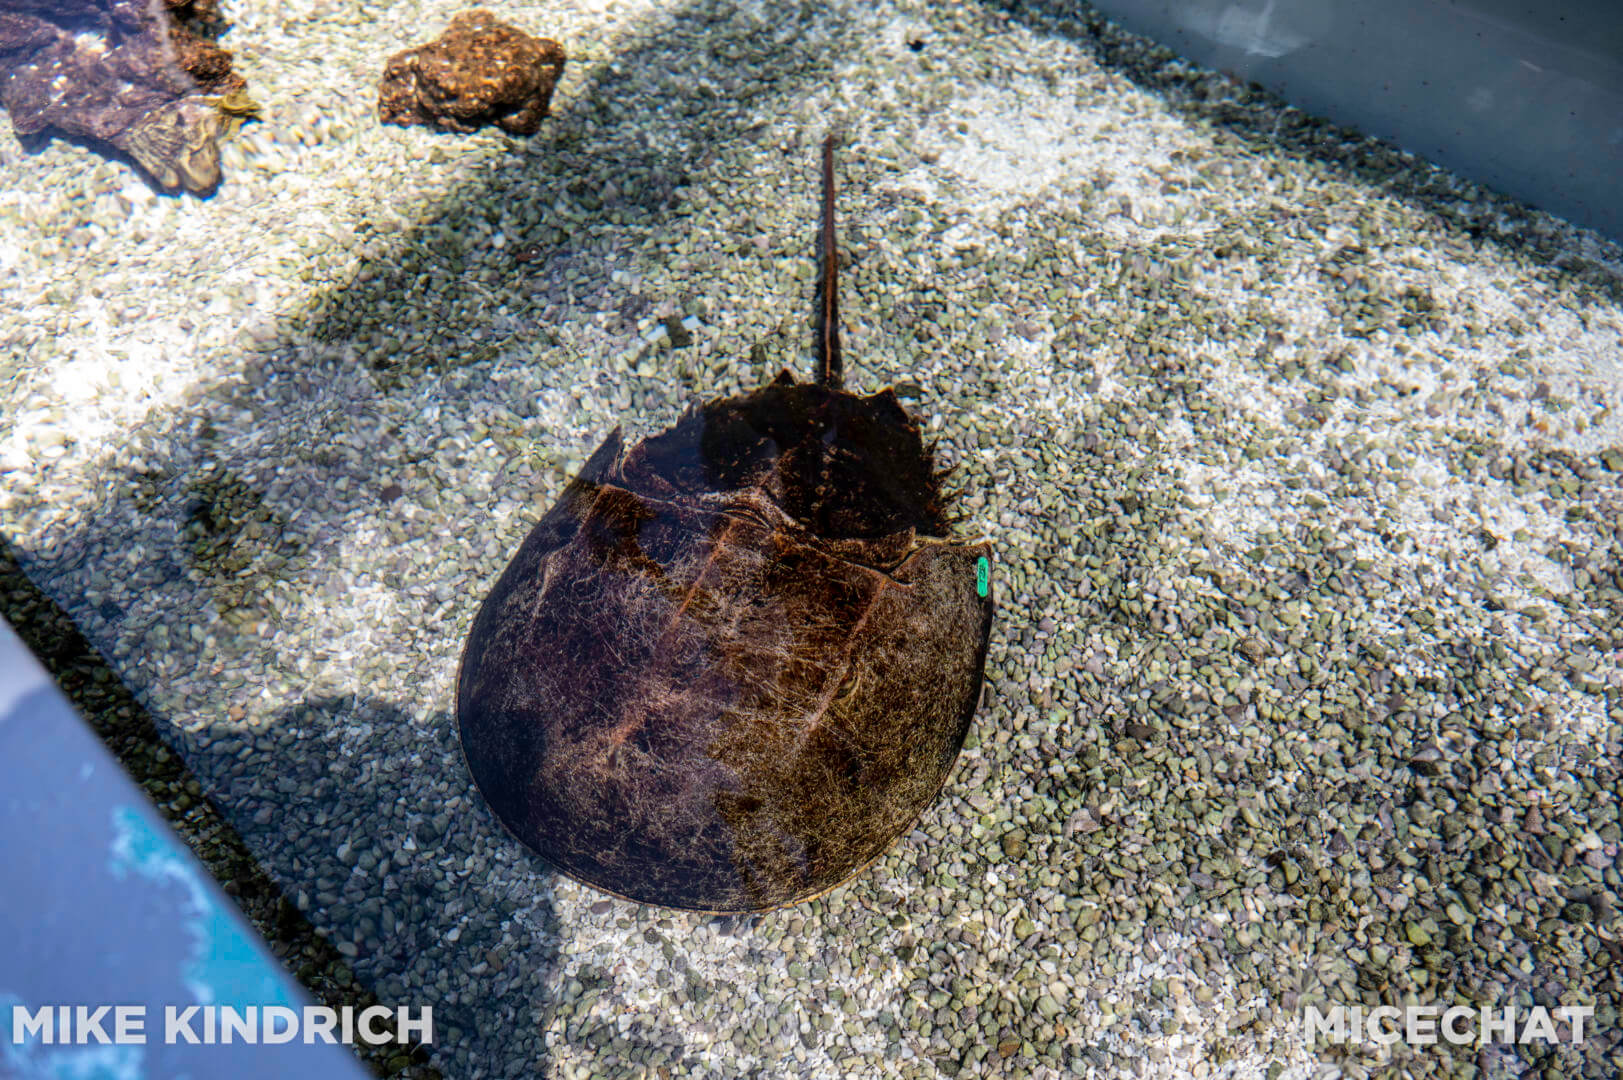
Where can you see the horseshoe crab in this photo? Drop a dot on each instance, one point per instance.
(735, 662)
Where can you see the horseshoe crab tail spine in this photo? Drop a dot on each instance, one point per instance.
(829, 369)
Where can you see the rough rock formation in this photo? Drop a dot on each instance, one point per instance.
(125, 72)
(480, 71)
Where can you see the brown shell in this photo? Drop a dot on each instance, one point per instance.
(730, 667)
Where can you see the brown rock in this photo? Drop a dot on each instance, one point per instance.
(126, 72)
(479, 72)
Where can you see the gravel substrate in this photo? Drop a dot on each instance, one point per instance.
(1304, 462)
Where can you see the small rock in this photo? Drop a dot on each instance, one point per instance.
(480, 71)
(678, 332)
(1082, 821)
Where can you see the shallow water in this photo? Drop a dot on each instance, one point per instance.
(1299, 458)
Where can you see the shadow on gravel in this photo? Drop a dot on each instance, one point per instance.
(130, 732)
(162, 607)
